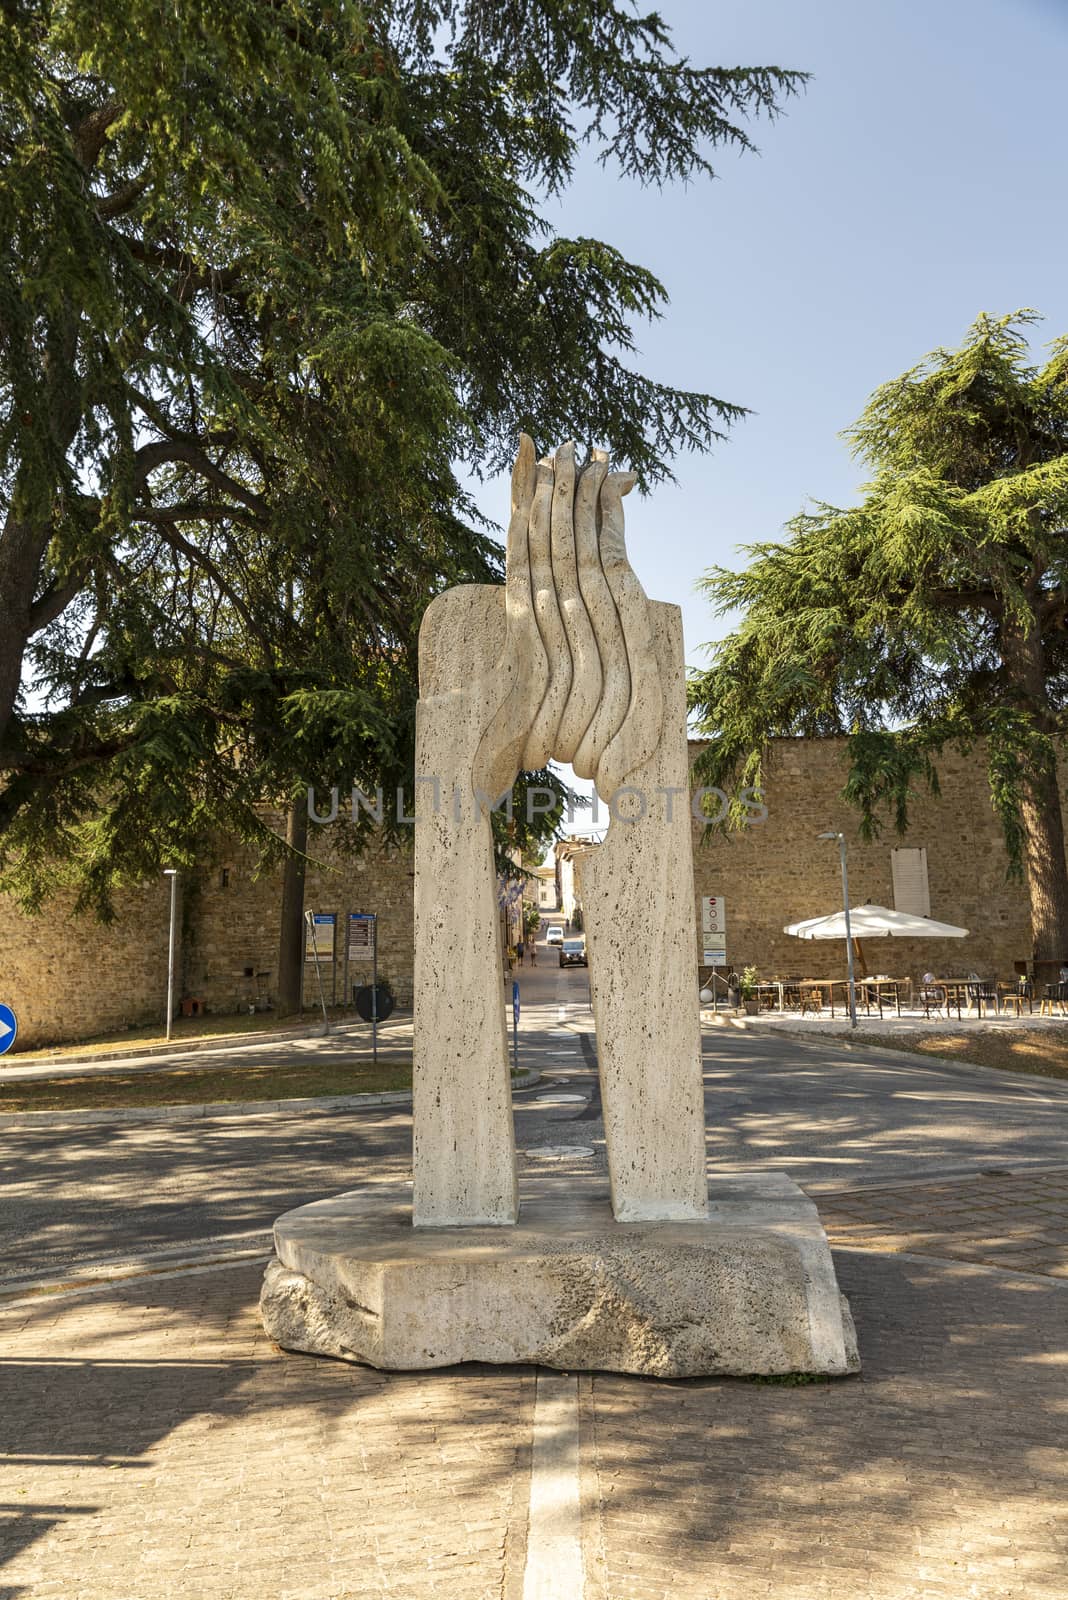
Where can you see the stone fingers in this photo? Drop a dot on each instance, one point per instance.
(574, 556)
(587, 602)
(575, 681)
(523, 669)
(550, 534)
(639, 730)
(613, 695)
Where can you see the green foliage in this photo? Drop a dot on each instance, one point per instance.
(930, 616)
(271, 271)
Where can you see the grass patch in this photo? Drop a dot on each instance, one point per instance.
(182, 1029)
(205, 1086)
(1042, 1051)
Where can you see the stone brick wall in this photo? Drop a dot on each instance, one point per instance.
(778, 872)
(230, 947)
(67, 977)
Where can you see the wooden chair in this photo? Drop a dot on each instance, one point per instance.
(1013, 996)
(1052, 1003)
(811, 1000)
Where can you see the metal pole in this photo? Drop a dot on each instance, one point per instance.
(309, 918)
(515, 1028)
(849, 933)
(172, 874)
(374, 989)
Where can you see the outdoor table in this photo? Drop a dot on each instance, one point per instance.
(824, 983)
(876, 986)
(971, 989)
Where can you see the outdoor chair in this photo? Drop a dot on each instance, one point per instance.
(1053, 1001)
(983, 993)
(1013, 996)
(811, 1000)
(934, 997)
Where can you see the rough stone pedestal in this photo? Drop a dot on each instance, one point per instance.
(749, 1290)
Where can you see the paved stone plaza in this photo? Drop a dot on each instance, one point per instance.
(156, 1444)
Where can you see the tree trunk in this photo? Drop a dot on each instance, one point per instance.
(21, 550)
(291, 935)
(1040, 802)
(1047, 874)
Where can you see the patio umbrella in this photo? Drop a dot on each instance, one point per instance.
(874, 922)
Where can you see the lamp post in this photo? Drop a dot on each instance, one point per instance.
(848, 926)
(172, 874)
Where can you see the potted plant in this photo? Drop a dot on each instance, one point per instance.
(749, 990)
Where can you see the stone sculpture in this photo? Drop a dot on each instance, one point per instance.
(569, 661)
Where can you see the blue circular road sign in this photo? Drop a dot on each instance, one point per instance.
(9, 1027)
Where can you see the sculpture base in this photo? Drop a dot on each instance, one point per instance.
(750, 1291)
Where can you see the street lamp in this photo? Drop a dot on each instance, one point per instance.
(172, 874)
(848, 926)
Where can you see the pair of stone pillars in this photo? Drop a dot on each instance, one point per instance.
(568, 661)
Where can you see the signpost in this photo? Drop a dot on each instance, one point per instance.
(515, 1025)
(172, 874)
(714, 930)
(320, 940)
(362, 945)
(9, 1027)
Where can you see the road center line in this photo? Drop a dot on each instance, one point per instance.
(554, 1538)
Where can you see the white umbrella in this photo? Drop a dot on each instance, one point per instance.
(874, 922)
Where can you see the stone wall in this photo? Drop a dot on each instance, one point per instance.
(778, 872)
(69, 977)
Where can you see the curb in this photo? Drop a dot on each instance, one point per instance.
(26, 1120)
(224, 1041)
(1057, 1087)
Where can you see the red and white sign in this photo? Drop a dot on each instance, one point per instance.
(713, 913)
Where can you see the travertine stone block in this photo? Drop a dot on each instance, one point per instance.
(749, 1290)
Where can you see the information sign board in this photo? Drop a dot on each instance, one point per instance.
(361, 936)
(319, 940)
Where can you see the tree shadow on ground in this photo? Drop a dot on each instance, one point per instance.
(939, 1471)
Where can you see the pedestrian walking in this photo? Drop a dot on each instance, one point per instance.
(519, 950)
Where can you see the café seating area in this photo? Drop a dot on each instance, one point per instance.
(935, 997)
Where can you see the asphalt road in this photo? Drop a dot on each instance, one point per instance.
(74, 1196)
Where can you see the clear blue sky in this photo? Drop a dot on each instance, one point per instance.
(919, 180)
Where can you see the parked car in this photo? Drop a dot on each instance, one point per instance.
(573, 953)
(555, 934)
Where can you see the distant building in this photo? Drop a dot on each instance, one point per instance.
(567, 852)
(548, 898)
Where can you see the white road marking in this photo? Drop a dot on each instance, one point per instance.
(554, 1538)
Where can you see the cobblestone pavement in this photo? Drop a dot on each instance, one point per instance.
(1007, 1219)
(157, 1445)
(940, 1472)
